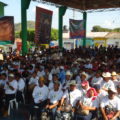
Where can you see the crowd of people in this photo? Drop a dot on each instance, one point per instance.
(79, 84)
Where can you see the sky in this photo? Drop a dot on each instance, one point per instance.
(109, 19)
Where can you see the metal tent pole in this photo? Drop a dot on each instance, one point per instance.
(85, 25)
(24, 7)
(62, 11)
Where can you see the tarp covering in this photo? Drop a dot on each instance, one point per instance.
(86, 4)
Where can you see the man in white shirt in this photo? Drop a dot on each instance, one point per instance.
(48, 76)
(106, 83)
(20, 90)
(33, 81)
(115, 79)
(54, 98)
(40, 95)
(10, 89)
(51, 84)
(97, 79)
(72, 95)
(110, 105)
(40, 71)
(67, 80)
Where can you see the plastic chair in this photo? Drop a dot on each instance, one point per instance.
(11, 105)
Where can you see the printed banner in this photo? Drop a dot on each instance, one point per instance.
(7, 28)
(43, 26)
(76, 29)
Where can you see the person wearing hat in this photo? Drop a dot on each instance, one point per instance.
(114, 78)
(83, 76)
(10, 89)
(107, 82)
(67, 80)
(40, 94)
(54, 98)
(110, 105)
(72, 95)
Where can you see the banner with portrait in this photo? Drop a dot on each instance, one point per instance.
(43, 26)
(7, 29)
(76, 29)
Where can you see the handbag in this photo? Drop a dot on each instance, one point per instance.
(67, 107)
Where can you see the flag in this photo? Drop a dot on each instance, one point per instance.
(7, 29)
(43, 25)
(76, 29)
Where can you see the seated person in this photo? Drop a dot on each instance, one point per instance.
(51, 84)
(40, 94)
(54, 98)
(110, 105)
(86, 105)
(20, 90)
(107, 82)
(10, 89)
(33, 81)
(84, 87)
(72, 95)
(97, 79)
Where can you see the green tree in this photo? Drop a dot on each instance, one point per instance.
(31, 35)
(101, 29)
(54, 34)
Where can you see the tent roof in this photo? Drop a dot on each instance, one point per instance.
(85, 4)
(1, 3)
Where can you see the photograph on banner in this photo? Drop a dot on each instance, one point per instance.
(7, 28)
(76, 29)
(43, 26)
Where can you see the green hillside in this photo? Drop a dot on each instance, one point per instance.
(30, 25)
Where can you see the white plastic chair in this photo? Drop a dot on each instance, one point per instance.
(11, 105)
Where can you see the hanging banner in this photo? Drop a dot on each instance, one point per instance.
(76, 29)
(7, 28)
(43, 25)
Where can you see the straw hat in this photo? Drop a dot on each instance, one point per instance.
(114, 74)
(106, 74)
(112, 89)
(68, 73)
(72, 82)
